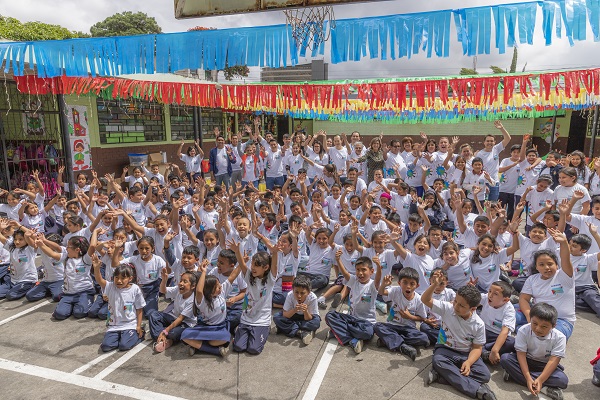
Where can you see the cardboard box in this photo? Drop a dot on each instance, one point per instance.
(155, 158)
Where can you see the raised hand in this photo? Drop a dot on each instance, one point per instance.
(498, 125)
(558, 236)
(578, 194)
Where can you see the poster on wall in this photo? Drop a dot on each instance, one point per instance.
(79, 138)
(33, 118)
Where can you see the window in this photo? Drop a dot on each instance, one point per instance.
(182, 123)
(211, 119)
(130, 121)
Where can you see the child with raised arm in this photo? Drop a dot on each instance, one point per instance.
(211, 335)
(125, 305)
(255, 324)
(552, 285)
(540, 347)
(431, 325)
(300, 315)
(457, 355)
(356, 326)
(498, 315)
(400, 332)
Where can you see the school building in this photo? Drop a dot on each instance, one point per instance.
(43, 131)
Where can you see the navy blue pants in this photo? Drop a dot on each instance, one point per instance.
(490, 339)
(279, 298)
(432, 333)
(14, 291)
(510, 363)
(42, 289)
(4, 272)
(519, 283)
(234, 315)
(393, 336)
(77, 304)
(99, 308)
(596, 369)
(150, 292)
(587, 299)
(290, 326)
(158, 321)
(271, 182)
(122, 340)
(250, 338)
(316, 281)
(448, 362)
(346, 327)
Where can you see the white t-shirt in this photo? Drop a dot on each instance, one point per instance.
(387, 259)
(397, 161)
(180, 306)
(192, 164)
(295, 162)
(362, 299)
(473, 180)
(122, 306)
(528, 248)
(508, 178)
(459, 274)
(274, 165)
(287, 265)
(583, 266)
(77, 273)
(456, 332)
(495, 318)
(402, 205)
(311, 303)
(554, 344)
(232, 289)
(132, 180)
(11, 212)
(424, 265)
(339, 158)
(437, 167)
(488, 270)
(221, 161)
(447, 295)
(54, 271)
(22, 263)
(369, 227)
(490, 159)
(537, 200)
(400, 302)
(217, 314)
(580, 222)
(527, 178)
(146, 271)
(320, 260)
(559, 291)
(561, 193)
(313, 172)
(348, 259)
(159, 240)
(258, 303)
(138, 211)
(373, 185)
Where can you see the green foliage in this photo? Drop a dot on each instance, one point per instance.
(497, 70)
(13, 29)
(468, 71)
(240, 71)
(126, 24)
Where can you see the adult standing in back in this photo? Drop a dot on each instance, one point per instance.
(220, 160)
(490, 157)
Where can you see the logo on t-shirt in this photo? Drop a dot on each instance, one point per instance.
(128, 307)
(492, 268)
(365, 298)
(80, 269)
(581, 268)
(557, 289)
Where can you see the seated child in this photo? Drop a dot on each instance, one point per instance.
(551, 285)
(596, 369)
(235, 292)
(498, 315)
(431, 325)
(400, 333)
(300, 315)
(167, 326)
(211, 334)
(125, 303)
(457, 355)
(587, 297)
(356, 326)
(540, 347)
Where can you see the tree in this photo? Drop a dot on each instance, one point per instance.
(468, 71)
(13, 29)
(240, 71)
(497, 70)
(513, 64)
(126, 24)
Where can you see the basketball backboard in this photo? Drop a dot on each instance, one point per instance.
(207, 8)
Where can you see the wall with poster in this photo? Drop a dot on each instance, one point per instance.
(79, 137)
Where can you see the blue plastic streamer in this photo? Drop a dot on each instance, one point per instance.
(384, 37)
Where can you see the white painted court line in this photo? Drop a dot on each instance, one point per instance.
(95, 361)
(319, 374)
(25, 312)
(83, 381)
(112, 367)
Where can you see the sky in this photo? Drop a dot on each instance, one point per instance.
(74, 16)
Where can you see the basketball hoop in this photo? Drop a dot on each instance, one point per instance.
(309, 28)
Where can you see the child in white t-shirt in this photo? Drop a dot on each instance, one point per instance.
(498, 315)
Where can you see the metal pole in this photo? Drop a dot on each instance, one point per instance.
(196, 124)
(200, 135)
(553, 131)
(4, 156)
(64, 130)
(594, 129)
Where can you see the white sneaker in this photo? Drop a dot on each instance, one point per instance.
(358, 346)
(554, 393)
(322, 305)
(337, 300)
(224, 351)
(306, 337)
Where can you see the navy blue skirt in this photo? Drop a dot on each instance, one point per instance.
(208, 332)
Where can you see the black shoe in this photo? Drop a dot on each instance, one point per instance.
(596, 380)
(432, 377)
(506, 376)
(409, 351)
(485, 393)
(554, 393)
(380, 343)
(485, 355)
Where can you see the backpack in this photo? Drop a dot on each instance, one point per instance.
(51, 154)
(40, 156)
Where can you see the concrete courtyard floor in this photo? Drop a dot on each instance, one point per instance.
(45, 359)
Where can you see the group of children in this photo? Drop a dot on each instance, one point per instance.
(225, 256)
